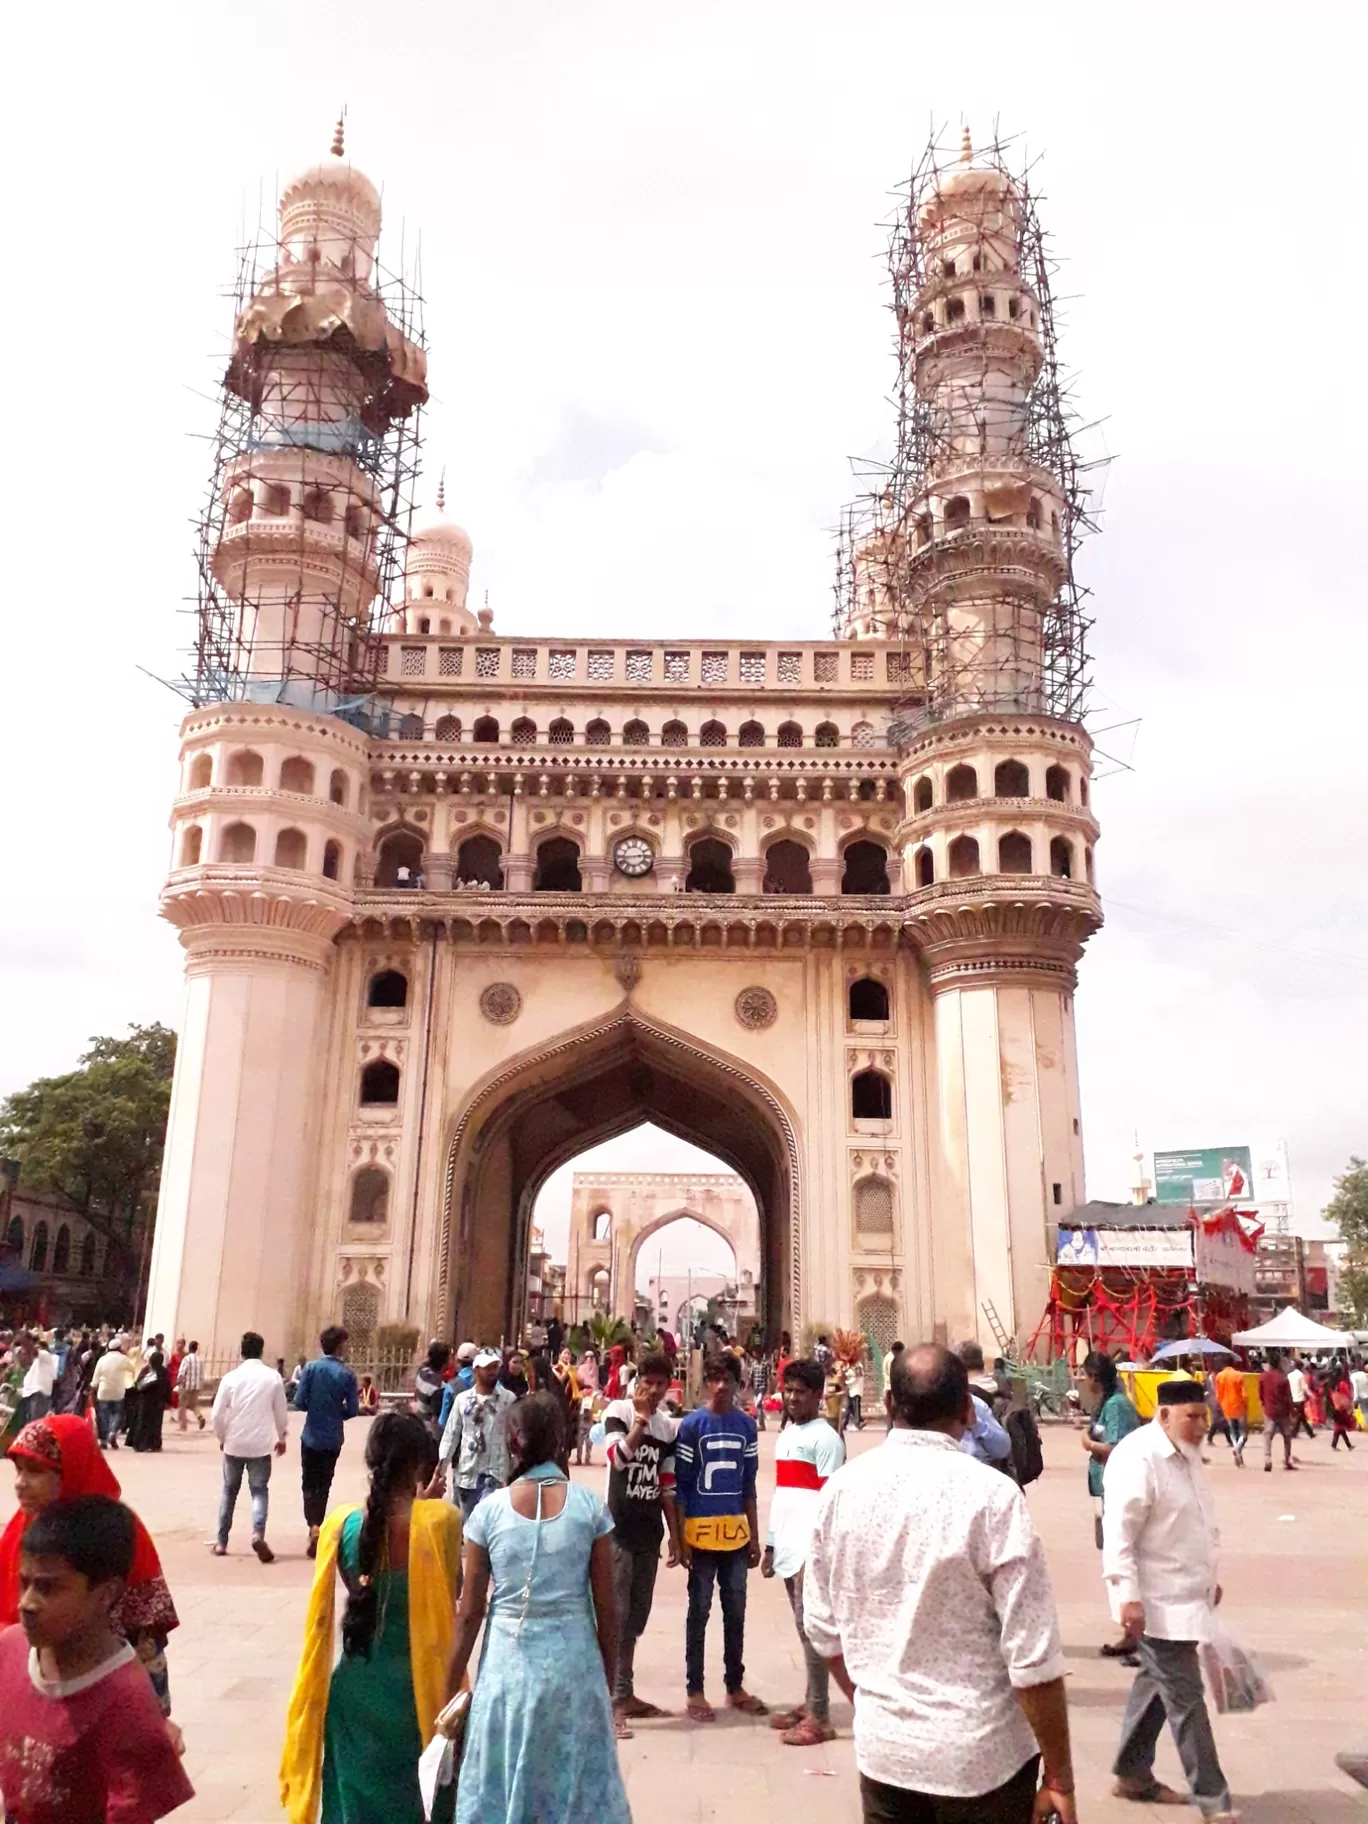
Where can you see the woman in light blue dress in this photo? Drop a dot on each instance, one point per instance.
(538, 1560)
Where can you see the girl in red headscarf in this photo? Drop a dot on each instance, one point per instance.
(57, 1459)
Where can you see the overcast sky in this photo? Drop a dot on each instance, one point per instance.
(658, 333)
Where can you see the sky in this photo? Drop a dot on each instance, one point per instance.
(650, 250)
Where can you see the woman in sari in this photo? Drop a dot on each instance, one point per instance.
(355, 1730)
(539, 1574)
(58, 1459)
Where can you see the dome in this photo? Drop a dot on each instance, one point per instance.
(967, 190)
(334, 184)
(442, 535)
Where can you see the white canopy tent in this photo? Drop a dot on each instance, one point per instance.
(1290, 1330)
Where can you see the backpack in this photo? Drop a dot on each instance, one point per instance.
(1027, 1458)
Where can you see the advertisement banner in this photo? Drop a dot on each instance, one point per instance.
(1164, 1249)
(1224, 1260)
(1216, 1174)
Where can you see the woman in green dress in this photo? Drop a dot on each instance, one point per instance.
(356, 1728)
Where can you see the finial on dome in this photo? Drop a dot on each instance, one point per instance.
(337, 141)
(441, 492)
(966, 146)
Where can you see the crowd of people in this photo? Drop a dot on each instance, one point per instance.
(915, 1579)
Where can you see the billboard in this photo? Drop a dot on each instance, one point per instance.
(1215, 1174)
(1159, 1248)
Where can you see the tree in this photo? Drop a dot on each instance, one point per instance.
(1348, 1210)
(96, 1134)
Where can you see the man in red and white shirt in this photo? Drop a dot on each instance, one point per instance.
(808, 1453)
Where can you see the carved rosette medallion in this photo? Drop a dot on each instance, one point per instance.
(500, 1003)
(756, 1008)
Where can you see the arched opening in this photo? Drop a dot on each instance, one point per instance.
(874, 1211)
(597, 733)
(868, 999)
(192, 841)
(297, 775)
(1088, 865)
(635, 733)
(1011, 779)
(1034, 516)
(291, 849)
(827, 734)
(878, 1318)
(240, 507)
(1057, 784)
(332, 860)
(925, 529)
(237, 844)
(387, 988)
(922, 795)
(485, 730)
(863, 735)
(925, 868)
(337, 788)
(601, 1290)
(399, 861)
(274, 500)
(448, 729)
(369, 1200)
(361, 1316)
(38, 1253)
(201, 772)
(1014, 853)
(1061, 857)
(1082, 790)
(928, 322)
(560, 732)
(866, 867)
(710, 867)
(750, 734)
(244, 768)
(790, 735)
(674, 734)
(14, 1234)
(424, 621)
(603, 1226)
(961, 784)
(954, 310)
(957, 512)
(621, 1084)
(356, 520)
(411, 727)
(786, 868)
(380, 1084)
(871, 1096)
(318, 506)
(558, 869)
(61, 1250)
(479, 861)
(88, 1256)
(524, 732)
(964, 857)
(987, 305)
(712, 734)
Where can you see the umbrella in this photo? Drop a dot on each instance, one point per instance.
(1194, 1345)
(1290, 1330)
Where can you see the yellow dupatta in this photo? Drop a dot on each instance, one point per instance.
(433, 1585)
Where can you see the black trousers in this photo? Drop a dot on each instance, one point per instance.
(316, 1469)
(1011, 1803)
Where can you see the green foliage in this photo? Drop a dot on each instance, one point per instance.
(604, 1331)
(1348, 1210)
(96, 1134)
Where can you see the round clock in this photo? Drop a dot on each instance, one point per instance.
(633, 856)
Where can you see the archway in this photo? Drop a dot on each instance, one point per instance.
(550, 1105)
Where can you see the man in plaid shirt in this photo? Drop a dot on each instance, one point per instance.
(189, 1383)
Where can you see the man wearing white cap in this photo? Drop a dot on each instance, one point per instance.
(475, 1437)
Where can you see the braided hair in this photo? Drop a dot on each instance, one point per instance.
(399, 1456)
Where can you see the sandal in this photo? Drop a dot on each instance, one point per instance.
(620, 1729)
(639, 1710)
(699, 1710)
(1156, 1793)
(808, 1734)
(747, 1703)
(787, 1719)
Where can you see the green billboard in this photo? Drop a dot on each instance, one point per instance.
(1213, 1174)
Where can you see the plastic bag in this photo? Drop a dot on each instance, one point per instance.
(1236, 1678)
(436, 1768)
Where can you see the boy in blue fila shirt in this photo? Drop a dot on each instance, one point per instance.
(716, 1456)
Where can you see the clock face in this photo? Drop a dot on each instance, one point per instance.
(633, 856)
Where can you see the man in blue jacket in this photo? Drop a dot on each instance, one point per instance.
(716, 1457)
(327, 1393)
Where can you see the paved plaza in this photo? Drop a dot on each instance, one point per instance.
(1296, 1591)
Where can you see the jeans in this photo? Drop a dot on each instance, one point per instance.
(316, 1469)
(634, 1577)
(583, 1449)
(468, 1499)
(32, 1406)
(108, 1418)
(728, 1570)
(1169, 1684)
(1277, 1428)
(1010, 1803)
(258, 1480)
(817, 1702)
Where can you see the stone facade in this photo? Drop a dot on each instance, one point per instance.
(567, 885)
(614, 1214)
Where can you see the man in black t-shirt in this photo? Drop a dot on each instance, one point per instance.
(641, 1501)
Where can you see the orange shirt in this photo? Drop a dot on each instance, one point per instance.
(1230, 1391)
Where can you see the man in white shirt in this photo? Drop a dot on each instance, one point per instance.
(926, 1591)
(110, 1381)
(806, 1457)
(250, 1419)
(1159, 1559)
(1358, 1381)
(1301, 1393)
(40, 1372)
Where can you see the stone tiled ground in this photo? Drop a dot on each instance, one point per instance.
(1294, 1572)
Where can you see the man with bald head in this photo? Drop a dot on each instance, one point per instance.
(926, 1591)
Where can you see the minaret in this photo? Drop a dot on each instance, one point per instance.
(271, 816)
(437, 578)
(965, 562)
